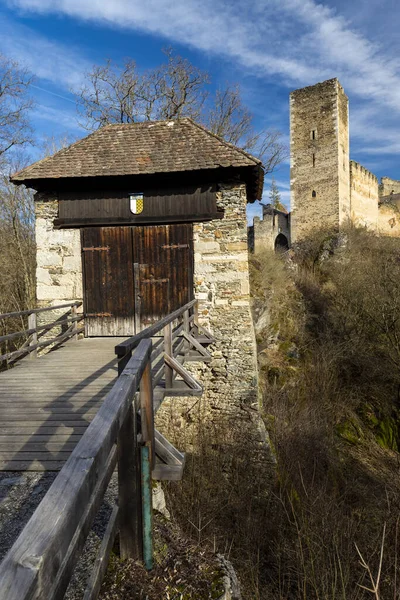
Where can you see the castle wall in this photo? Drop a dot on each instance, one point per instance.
(389, 186)
(319, 149)
(266, 230)
(389, 219)
(223, 290)
(364, 196)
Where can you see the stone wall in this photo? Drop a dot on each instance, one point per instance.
(59, 264)
(319, 149)
(389, 219)
(364, 196)
(221, 279)
(266, 230)
(389, 186)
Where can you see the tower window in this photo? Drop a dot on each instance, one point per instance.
(313, 160)
(313, 134)
(314, 194)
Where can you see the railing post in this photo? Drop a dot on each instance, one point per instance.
(168, 350)
(148, 458)
(129, 489)
(196, 313)
(186, 329)
(32, 324)
(74, 314)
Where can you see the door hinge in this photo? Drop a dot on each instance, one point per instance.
(98, 315)
(175, 246)
(96, 248)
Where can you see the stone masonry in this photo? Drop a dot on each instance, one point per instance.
(221, 279)
(364, 196)
(326, 187)
(319, 155)
(58, 256)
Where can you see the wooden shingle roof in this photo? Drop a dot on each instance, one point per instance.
(139, 149)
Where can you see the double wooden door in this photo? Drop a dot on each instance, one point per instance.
(133, 276)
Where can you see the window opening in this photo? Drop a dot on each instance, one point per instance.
(314, 194)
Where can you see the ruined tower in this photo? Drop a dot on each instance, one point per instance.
(319, 157)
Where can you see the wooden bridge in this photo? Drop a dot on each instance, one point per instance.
(86, 408)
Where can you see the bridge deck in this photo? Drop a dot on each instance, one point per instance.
(46, 404)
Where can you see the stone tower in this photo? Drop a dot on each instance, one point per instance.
(319, 157)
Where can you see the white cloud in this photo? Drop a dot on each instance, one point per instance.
(299, 40)
(47, 59)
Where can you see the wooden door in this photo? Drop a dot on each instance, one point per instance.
(134, 276)
(164, 269)
(108, 281)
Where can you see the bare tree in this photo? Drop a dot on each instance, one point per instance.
(15, 103)
(122, 95)
(233, 122)
(53, 143)
(17, 243)
(175, 89)
(181, 88)
(229, 118)
(109, 96)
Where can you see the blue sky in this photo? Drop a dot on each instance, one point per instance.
(269, 47)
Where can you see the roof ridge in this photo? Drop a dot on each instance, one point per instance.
(257, 161)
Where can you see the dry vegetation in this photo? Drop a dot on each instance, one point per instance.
(330, 363)
(323, 522)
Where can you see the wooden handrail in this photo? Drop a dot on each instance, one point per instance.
(128, 345)
(41, 561)
(31, 346)
(32, 311)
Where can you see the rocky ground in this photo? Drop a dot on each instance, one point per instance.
(181, 569)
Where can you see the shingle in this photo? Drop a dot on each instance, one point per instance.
(140, 148)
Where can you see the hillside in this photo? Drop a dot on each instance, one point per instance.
(328, 333)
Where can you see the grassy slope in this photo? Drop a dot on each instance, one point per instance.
(329, 356)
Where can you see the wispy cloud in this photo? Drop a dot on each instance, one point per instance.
(299, 41)
(48, 59)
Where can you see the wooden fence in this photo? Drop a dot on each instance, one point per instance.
(28, 339)
(41, 562)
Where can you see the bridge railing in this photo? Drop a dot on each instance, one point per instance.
(27, 339)
(41, 562)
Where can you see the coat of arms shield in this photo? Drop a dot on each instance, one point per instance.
(136, 203)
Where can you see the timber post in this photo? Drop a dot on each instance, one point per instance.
(168, 351)
(186, 329)
(74, 315)
(129, 490)
(32, 324)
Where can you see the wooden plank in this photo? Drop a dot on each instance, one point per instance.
(166, 451)
(75, 548)
(129, 497)
(23, 465)
(39, 310)
(147, 506)
(168, 373)
(163, 472)
(51, 529)
(147, 412)
(101, 563)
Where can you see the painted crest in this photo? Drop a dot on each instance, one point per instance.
(136, 203)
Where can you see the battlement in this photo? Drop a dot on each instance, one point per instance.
(357, 168)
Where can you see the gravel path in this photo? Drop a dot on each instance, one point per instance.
(21, 493)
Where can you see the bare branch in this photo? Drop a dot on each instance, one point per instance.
(15, 103)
